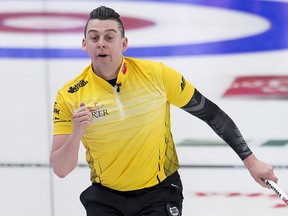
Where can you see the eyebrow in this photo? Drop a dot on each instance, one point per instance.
(107, 30)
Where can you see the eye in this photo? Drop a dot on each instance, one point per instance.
(109, 37)
(94, 37)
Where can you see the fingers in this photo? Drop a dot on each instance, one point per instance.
(260, 171)
(82, 116)
(269, 175)
(262, 183)
(272, 177)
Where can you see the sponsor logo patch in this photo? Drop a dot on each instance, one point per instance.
(172, 210)
(75, 88)
(98, 110)
(183, 83)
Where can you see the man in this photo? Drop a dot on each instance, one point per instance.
(119, 108)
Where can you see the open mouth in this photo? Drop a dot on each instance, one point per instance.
(102, 55)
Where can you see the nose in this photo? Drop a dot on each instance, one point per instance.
(101, 46)
(101, 43)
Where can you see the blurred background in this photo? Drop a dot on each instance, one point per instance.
(233, 51)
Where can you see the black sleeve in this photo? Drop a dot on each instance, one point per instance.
(219, 121)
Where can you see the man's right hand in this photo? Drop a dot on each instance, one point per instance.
(81, 118)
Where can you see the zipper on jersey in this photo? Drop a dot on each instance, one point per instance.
(115, 88)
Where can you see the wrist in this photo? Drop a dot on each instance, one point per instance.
(250, 161)
(77, 134)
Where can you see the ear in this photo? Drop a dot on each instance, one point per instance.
(84, 45)
(124, 44)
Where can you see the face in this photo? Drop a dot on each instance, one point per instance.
(104, 43)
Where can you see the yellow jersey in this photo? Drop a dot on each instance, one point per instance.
(129, 145)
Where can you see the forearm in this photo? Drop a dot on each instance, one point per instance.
(223, 125)
(65, 158)
(220, 122)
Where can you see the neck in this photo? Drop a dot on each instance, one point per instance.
(107, 72)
